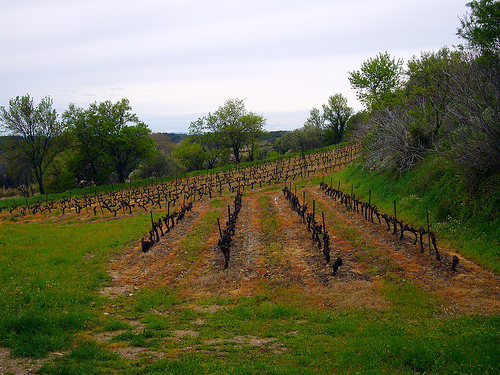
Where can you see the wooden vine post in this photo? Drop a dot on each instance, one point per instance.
(428, 229)
(395, 220)
(220, 230)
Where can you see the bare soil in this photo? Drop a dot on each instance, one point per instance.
(290, 262)
(286, 262)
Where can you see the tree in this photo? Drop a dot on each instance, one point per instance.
(315, 118)
(336, 114)
(306, 138)
(377, 80)
(230, 126)
(190, 154)
(163, 142)
(426, 88)
(162, 164)
(284, 143)
(204, 132)
(38, 134)
(473, 139)
(481, 28)
(389, 142)
(110, 138)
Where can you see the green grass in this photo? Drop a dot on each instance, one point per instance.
(469, 223)
(307, 341)
(50, 274)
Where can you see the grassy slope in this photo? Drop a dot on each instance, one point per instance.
(468, 223)
(50, 274)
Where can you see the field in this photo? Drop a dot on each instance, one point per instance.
(79, 296)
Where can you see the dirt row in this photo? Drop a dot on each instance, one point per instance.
(282, 259)
(288, 261)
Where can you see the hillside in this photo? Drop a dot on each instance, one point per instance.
(102, 305)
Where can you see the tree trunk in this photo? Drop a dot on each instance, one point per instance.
(39, 180)
(236, 151)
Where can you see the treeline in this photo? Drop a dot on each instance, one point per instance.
(106, 143)
(100, 144)
(445, 103)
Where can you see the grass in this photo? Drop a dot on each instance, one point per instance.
(300, 340)
(470, 224)
(50, 274)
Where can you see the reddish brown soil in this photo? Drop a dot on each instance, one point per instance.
(282, 260)
(287, 261)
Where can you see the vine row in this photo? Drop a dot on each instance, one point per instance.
(226, 234)
(369, 210)
(319, 233)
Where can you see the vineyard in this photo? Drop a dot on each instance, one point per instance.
(279, 227)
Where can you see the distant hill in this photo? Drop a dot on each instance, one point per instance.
(176, 137)
(268, 136)
(273, 135)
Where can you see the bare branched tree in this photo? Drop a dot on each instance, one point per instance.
(389, 142)
(473, 139)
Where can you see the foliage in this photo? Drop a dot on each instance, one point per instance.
(190, 154)
(426, 88)
(473, 138)
(336, 114)
(315, 118)
(160, 164)
(163, 142)
(15, 174)
(38, 135)
(106, 141)
(230, 126)
(468, 218)
(481, 28)
(204, 132)
(306, 138)
(389, 143)
(377, 80)
(450, 105)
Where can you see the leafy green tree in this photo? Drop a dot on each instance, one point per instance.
(14, 173)
(336, 114)
(306, 138)
(109, 138)
(481, 28)
(233, 126)
(284, 143)
(473, 138)
(377, 81)
(315, 118)
(38, 134)
(205, 132)
(426, 88)
(162, 164)
(190, 154)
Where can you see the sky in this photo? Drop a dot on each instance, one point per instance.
(179, 60)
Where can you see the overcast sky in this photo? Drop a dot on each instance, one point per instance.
(178, 60)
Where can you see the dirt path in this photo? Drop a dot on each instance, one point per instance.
(472, 289)
(273, 251)
(287, 260)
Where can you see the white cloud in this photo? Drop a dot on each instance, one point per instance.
(173, 58)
